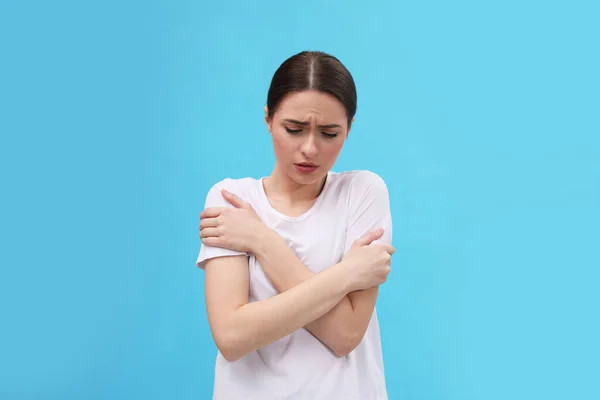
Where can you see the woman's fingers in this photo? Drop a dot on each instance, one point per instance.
(368, 238)
(212, 212)
(234, 200)
(209, 232)
(208, 223)
(390, 249)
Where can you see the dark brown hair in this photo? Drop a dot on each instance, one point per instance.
(314, 70)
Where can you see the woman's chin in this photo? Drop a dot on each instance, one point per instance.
(306, 179)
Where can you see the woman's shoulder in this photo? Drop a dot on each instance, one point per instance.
(234, 183)
(360, 179)
(245, 188)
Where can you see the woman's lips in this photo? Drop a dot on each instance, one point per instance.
(305, 168)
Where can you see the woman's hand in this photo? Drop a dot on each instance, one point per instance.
(367, 262)
(237, 228)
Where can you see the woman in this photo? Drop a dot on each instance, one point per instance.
(291, 267)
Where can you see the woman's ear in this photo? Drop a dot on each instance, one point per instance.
(268, 120)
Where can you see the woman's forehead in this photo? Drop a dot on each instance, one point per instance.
(311, 104)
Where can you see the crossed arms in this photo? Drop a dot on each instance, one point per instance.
(333, 305)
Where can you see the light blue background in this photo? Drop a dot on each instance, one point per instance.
(482, 117)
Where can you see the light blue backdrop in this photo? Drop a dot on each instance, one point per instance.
(117, 116)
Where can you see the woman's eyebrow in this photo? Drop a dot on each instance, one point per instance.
(302, 123)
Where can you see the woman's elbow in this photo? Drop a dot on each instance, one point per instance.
(346, 344)
(230, 355)
(231, 346)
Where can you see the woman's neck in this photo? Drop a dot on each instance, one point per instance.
(281, 187)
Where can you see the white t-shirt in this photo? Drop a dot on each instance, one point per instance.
(299, 366)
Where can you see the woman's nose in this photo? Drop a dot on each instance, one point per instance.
(309, 147)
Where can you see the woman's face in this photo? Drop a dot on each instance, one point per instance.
(308, 128)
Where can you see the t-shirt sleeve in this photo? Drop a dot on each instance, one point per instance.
(369, 208)
(215, 199)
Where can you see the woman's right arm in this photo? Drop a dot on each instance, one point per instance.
(239, 327)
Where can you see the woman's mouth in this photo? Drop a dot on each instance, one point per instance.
(306, 168)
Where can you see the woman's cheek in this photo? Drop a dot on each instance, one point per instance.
(333, 153)
(280, 148)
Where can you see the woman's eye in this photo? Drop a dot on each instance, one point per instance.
(325, 134)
